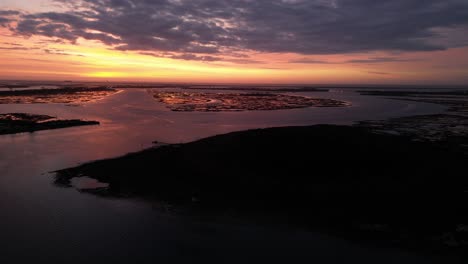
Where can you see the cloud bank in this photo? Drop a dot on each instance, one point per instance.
(206, 29)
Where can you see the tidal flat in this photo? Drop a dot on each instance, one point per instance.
(218, 102)
(63, 95)
(448, 129)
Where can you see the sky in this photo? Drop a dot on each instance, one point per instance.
(236, 41)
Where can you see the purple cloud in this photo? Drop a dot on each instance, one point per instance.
(200, 28)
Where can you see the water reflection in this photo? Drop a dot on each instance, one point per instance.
(41, 222)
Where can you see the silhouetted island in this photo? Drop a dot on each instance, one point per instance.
(325, 176)
(13, 123)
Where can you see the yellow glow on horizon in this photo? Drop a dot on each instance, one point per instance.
(38, 58)
(106, 74)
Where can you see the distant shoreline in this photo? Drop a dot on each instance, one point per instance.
(14, 123)
(64, 95)
(160, 84)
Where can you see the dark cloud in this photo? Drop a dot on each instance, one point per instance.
(244, 61)
(61, 52)
(379, 73)
(195, 57)
(379, 60)
(10, 44)
(9, 12)
(275, 68)
(218, 27)
(5, 16)
(356, 61)
(4, 21)
(204, 58)
(308, 61)
(184, 56)
(38, 60)
(14, 48)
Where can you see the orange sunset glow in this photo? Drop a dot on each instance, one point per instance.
(36, 55)
(233, 131)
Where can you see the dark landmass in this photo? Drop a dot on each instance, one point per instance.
(217, 102)
(291, 89)
(282, 88)
(449, 129)
(64, 90)
(408, 173)
(333, 178)
(245, 157)
(247, 88)
(456, 101)
(446, 130)
(414, 93)
(279, 88)
(19, 122)
(455, 104)
(12, 86)
(147, 86)
(60, 95)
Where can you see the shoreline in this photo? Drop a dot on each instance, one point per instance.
(15, 123)
(447, 129)
(63, 95)
(350, 175)
(238, 102)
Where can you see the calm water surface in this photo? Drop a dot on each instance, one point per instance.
(43, 223)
